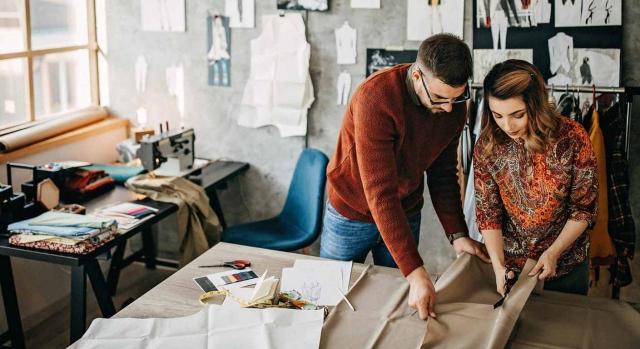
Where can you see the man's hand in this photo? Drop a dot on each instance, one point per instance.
(471, 247)
(422, 294)
(547, 263)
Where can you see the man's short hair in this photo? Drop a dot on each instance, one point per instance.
(447, 57)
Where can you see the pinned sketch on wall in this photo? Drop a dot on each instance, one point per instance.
(346, 37)
(310, 5)
(485, 59)
(365, 3)
(219, 50)
(542, 11)
(378, 59)
(141, 74)
(590, 66)
(163, 15)
(344, 87)
(560, 53)
(174, 76)
(580, 13)
(510, 13)
(241, 13)
(429, 17)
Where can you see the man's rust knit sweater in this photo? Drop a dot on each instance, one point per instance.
(386, 143)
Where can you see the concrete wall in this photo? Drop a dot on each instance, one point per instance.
(260, 193)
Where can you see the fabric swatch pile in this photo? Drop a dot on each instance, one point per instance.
(63, 232)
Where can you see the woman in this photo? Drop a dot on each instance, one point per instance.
(535, 180)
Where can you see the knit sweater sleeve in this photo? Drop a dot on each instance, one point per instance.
(375, 133)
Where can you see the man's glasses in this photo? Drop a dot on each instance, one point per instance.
(466, 95)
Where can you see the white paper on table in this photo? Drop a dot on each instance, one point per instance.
(365, 3)
(241, 13)
(213, 327)
(162, 15)
(345, 269)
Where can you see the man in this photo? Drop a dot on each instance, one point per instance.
(401, 122)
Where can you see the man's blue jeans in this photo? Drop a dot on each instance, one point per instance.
(350, 240)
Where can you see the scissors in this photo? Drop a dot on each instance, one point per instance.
(508, 284)
(238, 264)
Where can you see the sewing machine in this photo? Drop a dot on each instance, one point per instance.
(168, 153)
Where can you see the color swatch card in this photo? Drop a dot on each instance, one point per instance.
(227, 280)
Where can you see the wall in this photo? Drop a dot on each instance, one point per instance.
(211, 110)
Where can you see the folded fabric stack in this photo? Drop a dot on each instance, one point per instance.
(63, 232)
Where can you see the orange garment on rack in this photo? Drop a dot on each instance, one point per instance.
(601, 247)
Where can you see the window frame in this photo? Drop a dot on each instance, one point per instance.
(27, 53)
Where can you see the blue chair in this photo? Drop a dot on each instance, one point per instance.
(300, 222)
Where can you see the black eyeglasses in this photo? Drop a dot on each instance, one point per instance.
(466, 95)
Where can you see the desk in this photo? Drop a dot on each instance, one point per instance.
(213, 176)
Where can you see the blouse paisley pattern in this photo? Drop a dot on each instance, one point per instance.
(531, 196)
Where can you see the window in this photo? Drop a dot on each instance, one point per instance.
(48, 59)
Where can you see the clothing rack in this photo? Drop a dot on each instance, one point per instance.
(627, 91)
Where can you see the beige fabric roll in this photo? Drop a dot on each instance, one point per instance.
(51, 128)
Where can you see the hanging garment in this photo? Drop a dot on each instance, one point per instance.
(198, 226)
(219, 44)
(601, 248)
(499, 25)
(141, 74)
(344, 87)
(469, 207)
(279, 90)
(621, 224)
(346, 44)
(560, 53)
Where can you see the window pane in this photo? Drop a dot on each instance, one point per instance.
(11, 26)
(61, 82)
(56, 23)
(13, 97)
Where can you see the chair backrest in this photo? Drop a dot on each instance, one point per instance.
(305, 199)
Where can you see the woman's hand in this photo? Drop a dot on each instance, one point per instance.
(547, 263)
(500, 279)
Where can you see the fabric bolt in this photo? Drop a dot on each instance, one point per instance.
(279, 91)
(621, 224)
(54, 244)
(560, 53)
(198, 225)
(531, 196)
(601, 248)
(344, 87)
(386, 143)
(346, 38)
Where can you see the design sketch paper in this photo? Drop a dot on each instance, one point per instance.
(428, 17)
(542, 11)
(580, 13)
(162, 15)
(141, 74)
(317, 281)
(378, 59)
(517, 13)
(241, 13)
(311, 5)
(560, 52)
(213, 327)
(365, 3)
(344, 88)
(219, 50)
(346, 38)
(485, 59)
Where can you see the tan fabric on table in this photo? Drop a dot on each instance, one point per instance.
(198, 225)
(465, 315)
(561, 320)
